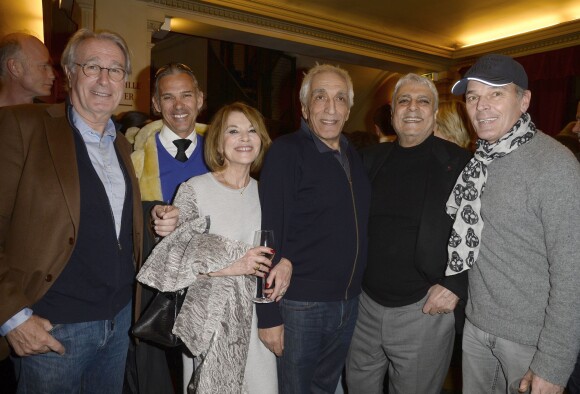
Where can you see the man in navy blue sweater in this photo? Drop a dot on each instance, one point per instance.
(315, 195)
(167, 152)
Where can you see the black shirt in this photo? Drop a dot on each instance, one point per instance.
(398, 193)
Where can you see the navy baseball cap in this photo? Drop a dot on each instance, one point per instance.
(494, 70)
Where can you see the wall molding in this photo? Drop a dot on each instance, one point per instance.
(551, 38)
(291, 25)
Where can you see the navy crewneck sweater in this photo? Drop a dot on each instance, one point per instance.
(97, 281)
(319, 220)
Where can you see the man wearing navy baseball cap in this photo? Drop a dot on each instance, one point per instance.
(518, 238)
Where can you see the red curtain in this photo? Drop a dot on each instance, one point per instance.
(551, 79)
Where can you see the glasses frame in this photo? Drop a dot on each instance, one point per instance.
(83, 66)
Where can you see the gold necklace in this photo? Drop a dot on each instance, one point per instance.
(231, 186)
(243, 189)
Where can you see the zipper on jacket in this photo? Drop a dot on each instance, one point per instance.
(357, 236)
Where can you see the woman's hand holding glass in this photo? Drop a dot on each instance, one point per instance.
(254, 262)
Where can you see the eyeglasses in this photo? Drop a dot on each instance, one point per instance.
(94, 70)
(179, 66)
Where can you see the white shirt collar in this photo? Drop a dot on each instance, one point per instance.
(167, 136)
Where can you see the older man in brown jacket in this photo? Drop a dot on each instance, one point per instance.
(70, 228)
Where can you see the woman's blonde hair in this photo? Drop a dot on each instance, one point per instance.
(453, 123)
(214, 137)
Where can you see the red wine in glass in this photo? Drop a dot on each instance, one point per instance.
(263, 238)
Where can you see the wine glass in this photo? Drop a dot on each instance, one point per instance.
(263, 238)
(514, 388)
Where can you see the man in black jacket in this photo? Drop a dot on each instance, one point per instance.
(315, 195)
(404, 323)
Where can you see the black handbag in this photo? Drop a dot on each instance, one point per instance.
(156, 322)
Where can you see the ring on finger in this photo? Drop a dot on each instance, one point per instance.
(257, 267)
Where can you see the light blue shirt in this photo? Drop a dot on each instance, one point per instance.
(15, 321)
(102, 153)
(101, 150)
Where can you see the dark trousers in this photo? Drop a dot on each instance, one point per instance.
(147, 370)
(7, 377)
(574, 381)
(317, 336)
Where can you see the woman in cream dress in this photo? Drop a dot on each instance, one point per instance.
(210, 252)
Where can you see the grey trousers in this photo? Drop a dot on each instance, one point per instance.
(415, 348)
(491, 363)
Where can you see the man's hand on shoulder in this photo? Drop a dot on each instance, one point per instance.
(539, 385)
(33, 337)
(164, 219)
(273, 339)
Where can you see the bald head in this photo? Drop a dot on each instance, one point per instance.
(25, 69)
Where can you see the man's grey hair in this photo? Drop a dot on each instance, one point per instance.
(519, 91)
(305, 89)
(69, 59)
(10, 47)
(416, 79)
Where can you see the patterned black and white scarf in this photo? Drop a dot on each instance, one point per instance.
(464, 242)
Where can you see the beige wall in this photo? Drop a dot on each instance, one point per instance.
(21, 16)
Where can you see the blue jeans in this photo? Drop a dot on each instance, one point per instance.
(316, 340)
(94, 359)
